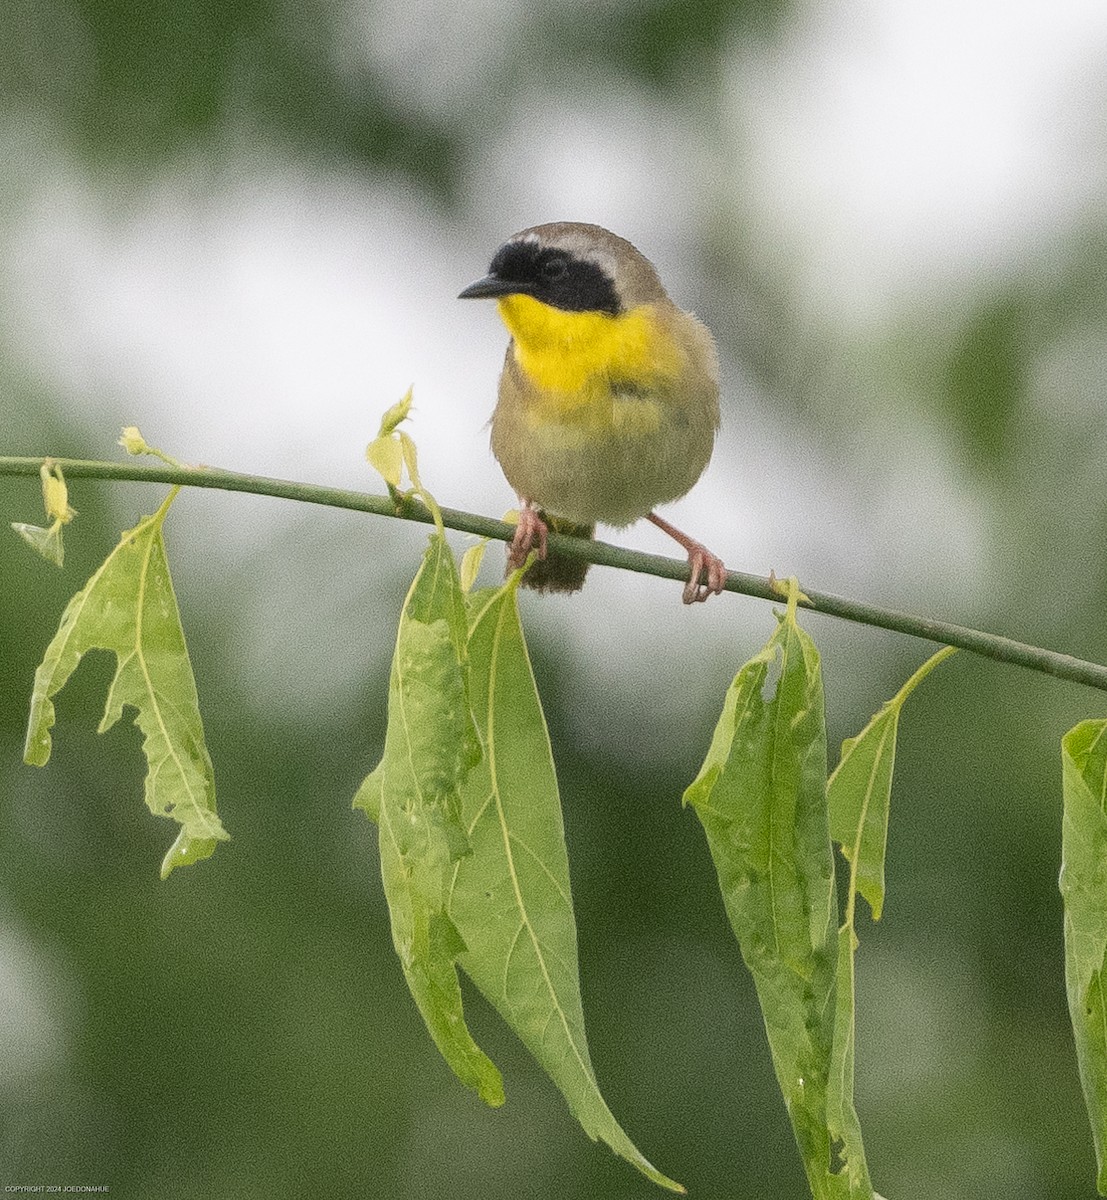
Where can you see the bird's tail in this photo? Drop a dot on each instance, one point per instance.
(559, 572)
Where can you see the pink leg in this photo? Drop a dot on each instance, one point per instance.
(530, 532)
(701, 563)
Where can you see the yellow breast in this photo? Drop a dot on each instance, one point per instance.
(574, 358)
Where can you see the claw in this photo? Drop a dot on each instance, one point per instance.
(702, 562)
(530, 533)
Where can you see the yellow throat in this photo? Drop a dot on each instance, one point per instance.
(579, 354)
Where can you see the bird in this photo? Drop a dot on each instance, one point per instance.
(608, 401)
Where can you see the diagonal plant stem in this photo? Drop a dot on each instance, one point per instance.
(976, 641)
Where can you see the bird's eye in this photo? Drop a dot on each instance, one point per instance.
(554, 267)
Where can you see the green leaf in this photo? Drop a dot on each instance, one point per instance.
(59, 512)
(47, 542)
(858, 795)
(858, 798)
(761, 797)
(431, 743)
(397, 414)
(841, 1115)
(510, 897)
(470, 564)
(859, 792)
(1084, 892)
(129, 607)
(392, 449)
(386, 457)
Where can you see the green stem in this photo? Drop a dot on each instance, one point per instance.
(920, 674)
(990, 645)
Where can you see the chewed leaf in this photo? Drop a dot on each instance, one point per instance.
(1084, 893)
(431, 744)
(510, 897)
(129, 608)
(761, 797)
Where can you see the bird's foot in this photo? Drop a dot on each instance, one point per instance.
(706, 571)
(707, 574)
(530, 534)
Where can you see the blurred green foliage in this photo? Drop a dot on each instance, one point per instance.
(132, 84)
(662, 43)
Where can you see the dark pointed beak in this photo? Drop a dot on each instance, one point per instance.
(489, 286)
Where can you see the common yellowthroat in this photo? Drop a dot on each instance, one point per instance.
(608, 400)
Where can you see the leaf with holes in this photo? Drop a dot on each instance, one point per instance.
(761, 797)
(129, 608)
(430, 745)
